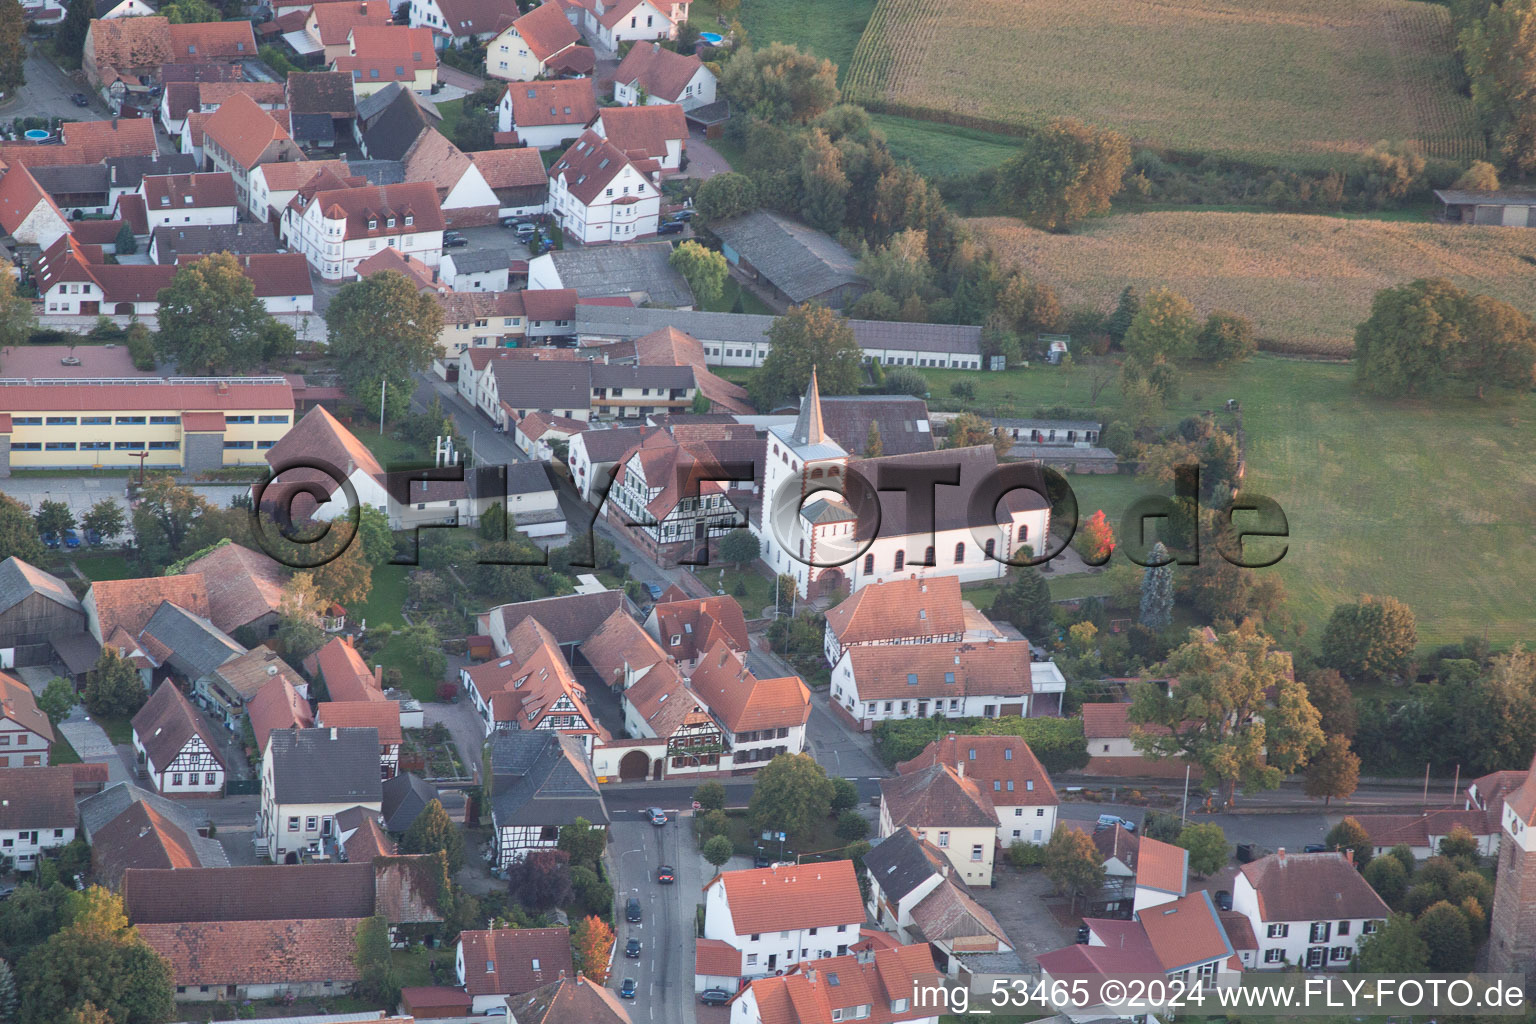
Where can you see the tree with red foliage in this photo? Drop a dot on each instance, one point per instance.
(592, 947)
(542, 880)
(1095, 539)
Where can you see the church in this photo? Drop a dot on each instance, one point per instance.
(835, 536)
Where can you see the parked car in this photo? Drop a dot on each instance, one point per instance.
(714, 997)
(454, 240)
(664, 875)
(51, 539)
(92, 537)
(684, 214)
(80, 99)
(654, 589)
(71, 539)
(632, 949)
(1314, 848)
(760, 858)
(627, 990)
(525, 231)
(1082, 935)
(7, 890)
(1223, 899)
(670, 227)
(632, 911)
(1246, 852)
(1111, 820)
(657, 815)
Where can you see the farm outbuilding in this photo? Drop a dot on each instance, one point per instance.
(1512, 208)
(794, 263)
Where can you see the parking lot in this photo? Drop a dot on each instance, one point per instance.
(81, 492)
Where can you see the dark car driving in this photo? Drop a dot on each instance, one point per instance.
(627, 990)
(665, 875)
(632, 911)
(632, 949)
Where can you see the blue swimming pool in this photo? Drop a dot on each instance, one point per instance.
(36, 134)
(712, 38)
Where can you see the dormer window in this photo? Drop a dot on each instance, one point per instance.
(165, 200)
(373, 225)
(390, 223)
(191, 47)
(409, 220)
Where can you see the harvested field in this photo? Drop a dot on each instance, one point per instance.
(1305, 281)
(1307, 80)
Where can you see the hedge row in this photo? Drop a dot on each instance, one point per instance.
(1058, 742)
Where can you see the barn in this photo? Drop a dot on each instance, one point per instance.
(35, 607)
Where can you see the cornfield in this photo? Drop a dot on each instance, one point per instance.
(1305, 281)
(1310, 80)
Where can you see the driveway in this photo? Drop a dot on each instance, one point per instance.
(48, 91)
(1016, 900)
(91, 743)
(463, 725)
(704, 161)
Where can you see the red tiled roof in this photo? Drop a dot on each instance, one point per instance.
(377, 203)
(645, 131)
(242, 129)
(383, 715)
(336, 21)
(500, 961)
(473, 17)
(716, 958)
(395, 52)
(811, 991)
(257, 952)
(741, 701)
(1005, 763)
(347, 676)
(546, 31)
(566, 102)
(19, 705)
(277, 706)
(123, 45)
(899, 609)
(188, 191)
(213, 94)
(1310, 887)
(292, 175)
(20, 194)
(550, 303)
(590, 165)
(937, 795)
(661, 72)
(792, 896)
(96, 232)
(1421, 829)
(128, 604)
(389, 258)
(166, 724)
(1185, 932)
(511, 168)
(211, 41)
(898, 671)
(700, 623)
(37, 798)
(1111, 721)
(1161, 866)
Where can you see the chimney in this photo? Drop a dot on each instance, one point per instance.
(333, 732)
(378, 676)
(112, 173)
(960, 769)
(1349, 856)
(1281, 854)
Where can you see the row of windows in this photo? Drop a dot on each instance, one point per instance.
(106, 421)
(900, 559)
(209, 779)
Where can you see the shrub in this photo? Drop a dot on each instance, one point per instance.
(852, 825)
(1058, 742)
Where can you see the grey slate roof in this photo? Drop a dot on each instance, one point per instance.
(528, 478)
(312, 128)
(405, 796)
(472, 261)
(541, 777)
(610, 445)
(309, 767)
(903, 422)
(131, 169)
(570, 618)
(72, 178)
(378, 172)
(801, 261)
(537, 384)
(1499, 197)
(20, 580)
(899, 864)
(370, 107)
(607, 375)
(626, 324)
(197, 646)
(607, 271)
(195, 240)
(390, 134)
(98, 809)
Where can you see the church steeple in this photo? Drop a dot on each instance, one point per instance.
(808, 428)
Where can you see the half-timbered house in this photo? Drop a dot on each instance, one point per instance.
(540, 780)
(175, 746)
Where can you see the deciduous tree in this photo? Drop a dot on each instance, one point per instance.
(1025, 602)
(1350, 835)
(13, 47)
(1447, 937)
(740, 547)
(1409, 341)
(54, 517)
(433, 830)
(1095, 539)
(17, 321)
(583, 842)
(717, 850)
(1207, 846)
(724, 196)
(779, 83)
(807, 337)
(182, 12)
(113, 688)
(968, 430)
(1226, 338)
(382, 329)
(97, 958)
(1237, 712)
(1460, 842)
(376, 968)
(792, 794)
(1394, 948)
(212, 322)
(710, 796)
(18, 531)
(1334, 772)
(873, 446)
(705, 270)
(424, 647)
(1164, 329)
(1062, 173)
(542, 880)
(1500, 346)
(58, 699)
(1387, 876)
(1371, 640)
(163, 519)
(105, 519)
(592, 947)
(1072, 862)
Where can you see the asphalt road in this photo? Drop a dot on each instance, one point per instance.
(663, 972)
(48, 91)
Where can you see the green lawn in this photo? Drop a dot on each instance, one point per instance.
(1425, 500)
(829, 29)
(937, 150)
(759, 588)
(385, 599)
(453, 112)
(390, 451)
(106, 567)
(393, 655)
(118, 730)
(61, 752)
(750, 303)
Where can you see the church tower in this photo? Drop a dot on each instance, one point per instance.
(1512, 943)
(798, 459)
